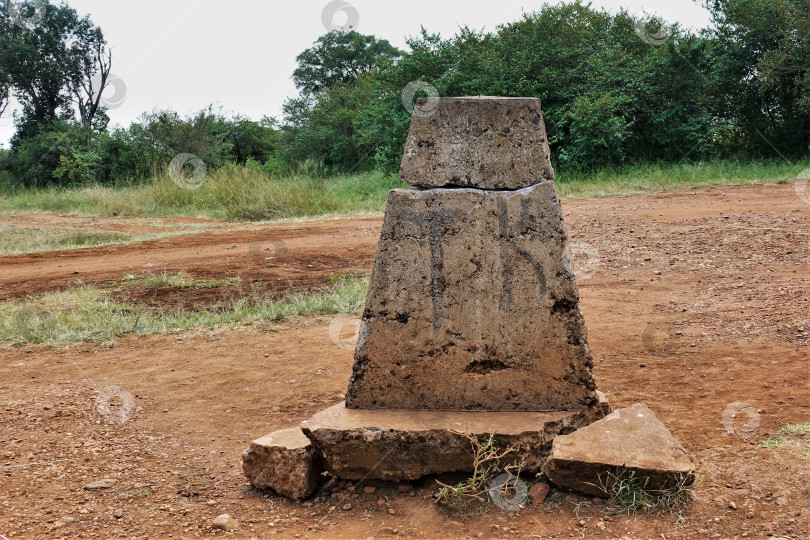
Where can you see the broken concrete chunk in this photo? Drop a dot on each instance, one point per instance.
(481, 142)
(628, 440)
(473, 305)
(284, 461)
(106, 483)
(225, 523)
(396, 445)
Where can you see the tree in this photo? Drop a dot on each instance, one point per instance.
(5, 91)
(340, 57)
(761, 56)
(47, 62)
(89, 87)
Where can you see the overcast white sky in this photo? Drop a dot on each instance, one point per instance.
(241, 54)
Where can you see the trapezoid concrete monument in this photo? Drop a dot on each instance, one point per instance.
(473, 303)
(472, 321)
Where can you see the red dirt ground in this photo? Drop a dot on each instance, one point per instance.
(699, 299)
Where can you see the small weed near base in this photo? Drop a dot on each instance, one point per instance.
(491, 479)
(628, 493)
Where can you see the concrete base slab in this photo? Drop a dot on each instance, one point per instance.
(284, 461)
(628, 440)
(395, 445)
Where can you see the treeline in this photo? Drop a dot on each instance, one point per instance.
(616, 89)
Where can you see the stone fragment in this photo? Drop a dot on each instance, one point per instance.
(628, 440)
(538, 493)
(225, 522)
(481, 142)
(106, 483)
(283, 461)
(397, 445)
(473, 305)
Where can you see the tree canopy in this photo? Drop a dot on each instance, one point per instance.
(340, 57)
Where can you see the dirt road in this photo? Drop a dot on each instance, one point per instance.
(694, 301)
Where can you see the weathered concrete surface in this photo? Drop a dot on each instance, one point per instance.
(396, 445)
(284, 461)
(630, 439)
(483, 142)
(473, 306)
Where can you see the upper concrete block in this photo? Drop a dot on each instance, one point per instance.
(480, 142)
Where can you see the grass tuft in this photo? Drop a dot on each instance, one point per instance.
(629, 493)
(796, 436)
(88, 314)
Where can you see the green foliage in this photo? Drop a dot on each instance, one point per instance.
(610, 94)
(761, 61)
(597, 133)
(340, 57)
(44, 61)
(57, 152)
(323, 127)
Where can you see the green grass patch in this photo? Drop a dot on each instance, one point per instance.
(654, 177)
(230, 193)
(628, 493)
(241, 194)
(88, 314)
(15, 240)
(796, 436)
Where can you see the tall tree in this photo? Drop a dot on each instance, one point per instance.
(340, 57)
(95, 72)
(762, 71)
(46, 60)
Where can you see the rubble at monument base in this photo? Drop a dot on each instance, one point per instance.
(396, 445)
